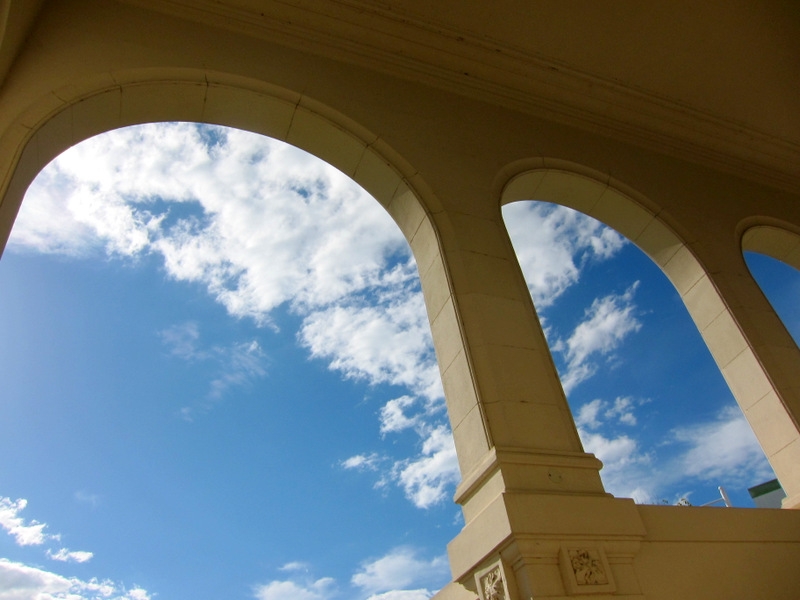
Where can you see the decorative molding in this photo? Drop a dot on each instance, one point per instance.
(381, 37)
(585, 570)
(495, 457)
(493, 583)
(493, 586)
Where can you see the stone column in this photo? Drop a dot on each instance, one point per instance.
(534, 506)
(764, 376)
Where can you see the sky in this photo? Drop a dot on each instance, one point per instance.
(219, 380)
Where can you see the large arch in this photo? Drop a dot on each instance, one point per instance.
(140, 97)
(625, 210)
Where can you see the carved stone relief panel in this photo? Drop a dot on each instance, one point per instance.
(493, 583)
(585, 570)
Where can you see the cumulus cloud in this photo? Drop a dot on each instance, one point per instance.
(553, 244)
(626, 467)
(607, 322)
(22, 582)
(398, 570)
(427, 477)
(394, 417)
(320, 589)
(25, 533)
(588, 414)
(622, 410)
(383, 343)
(259, 223)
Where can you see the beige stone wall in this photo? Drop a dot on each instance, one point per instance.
(538, 521)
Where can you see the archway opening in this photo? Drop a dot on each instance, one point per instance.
(667, 428)
(773, 256)
(178, 279)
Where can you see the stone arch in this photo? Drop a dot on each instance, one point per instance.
(776, 241)
(618, 206)
(67, 116)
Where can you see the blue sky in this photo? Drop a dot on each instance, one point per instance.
(220, 380)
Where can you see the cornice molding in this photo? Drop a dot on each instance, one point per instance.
(379, 38)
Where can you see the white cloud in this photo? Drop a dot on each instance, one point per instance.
(398, 570)
(627, 470)
(320, 589)
(722, 450)
(592, 414)
(259, 223)
(363, 462)
(622, 410)
(294, 566)
(616, 453)
(608, 321)
(65, 555)
(553, 243)
(427, 478)
(398, 575)
(588, 414)
(393, 415)
(22, 582)
(25, 533)
(383, 343)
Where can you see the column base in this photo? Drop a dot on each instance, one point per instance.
(524, 546)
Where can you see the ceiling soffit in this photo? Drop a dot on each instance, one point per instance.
(404, 39)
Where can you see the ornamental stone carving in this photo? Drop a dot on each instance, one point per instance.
(585, 570)
(495, 583)
(588, 567)
(492, 585)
